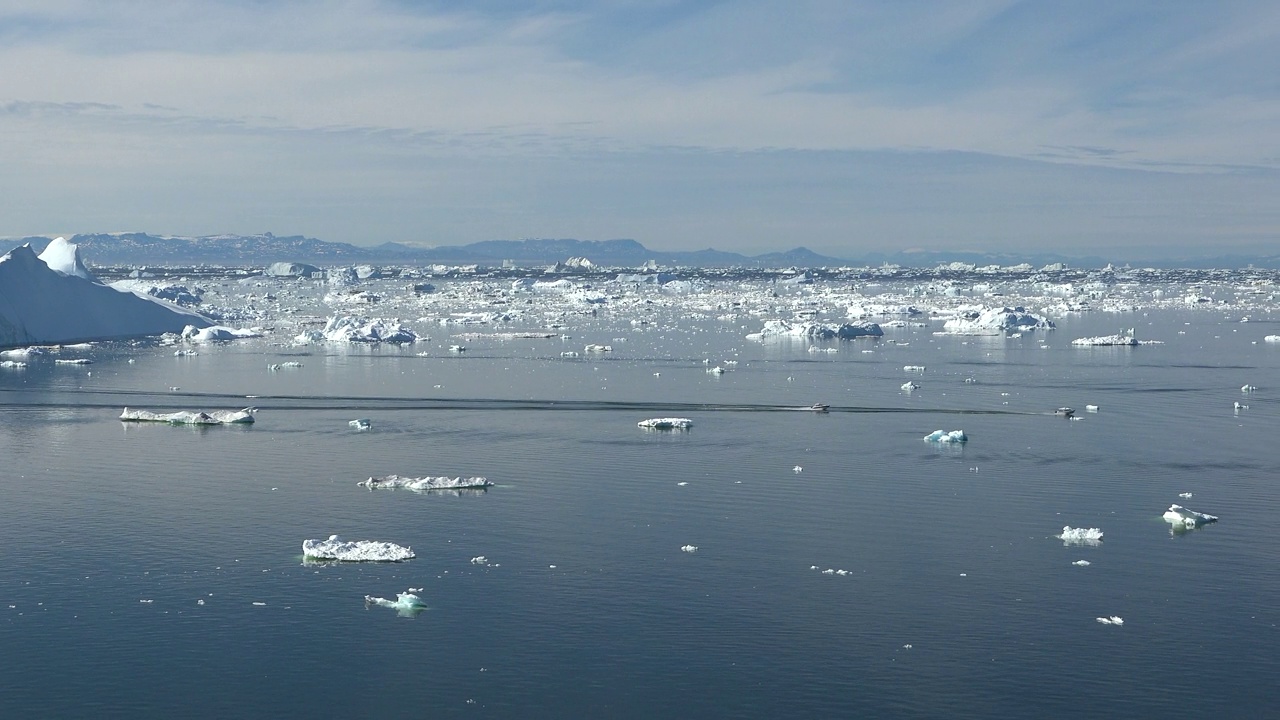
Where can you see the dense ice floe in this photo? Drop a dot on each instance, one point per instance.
(425, 484)
(190, 417)
(669, 423)
(335, 548)
(1080, 536)
(1183, 517)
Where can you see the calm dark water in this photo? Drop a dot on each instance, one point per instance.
(958, 601)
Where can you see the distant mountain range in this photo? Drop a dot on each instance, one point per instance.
(116, 249)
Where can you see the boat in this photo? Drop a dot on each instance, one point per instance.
(1065, 412)
(819, 407)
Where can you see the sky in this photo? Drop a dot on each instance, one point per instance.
(1134, 129)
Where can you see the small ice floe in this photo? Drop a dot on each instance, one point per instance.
(1113, 620)
(573, 354)
(947, 436)
(361, 423)
(688, 548)
(717, 370)
(185, 353)
(479, 560)
(1081, 563)
(797, 469)
(77, 361)
(913, 368)
(830, 571)
(1179, 516)
(670, 423)
(1123, 338)
(335, 548)
(1243, 388)
(1272, 339)
(1080, 536)
(1184, 495)
(217, 332)
(970, 381)
(406, 604)
(274, 367)
(457, 348)
(909, 386)
(187, 417)
(1241, 406)
(425, 484)
(12, 364)
(1091, 408)
(597, 348)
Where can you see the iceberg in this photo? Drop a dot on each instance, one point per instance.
(425, 484)
(996, 320)
(188, 417)
(1272, 339)
(672, 423)
(406, 604)
(943, 436)
(1122, 338)
(1179, 516)
(335, 548)
(217, 332)
(47, 304)
(1113, 620)
(1080, 536)
(341, 328)
(775, 329)
(361, 424)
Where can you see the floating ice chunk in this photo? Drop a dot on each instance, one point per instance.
(14, 364)
(1243, 388)
(775, 329)
(336, 548)
(1080, 536)
(77, 361)
(1180, 516)
(1113, 620)
(797, 469)
(689, 548)
(342, 328)
(479, 560)
(406, 604)
(717, 370)
(1081, 563)
(913, 368)
(944, 436)
(281, 366)
(425, 484)
(1091, 408)
(597, 349)
(1184, 495)
(995, 320)
(217, 332)
(572, 354)
(1126, 338)
(910, 386)
(361, 423)
(187, 417)
(1241, 406)
(1272, 338)
(670, 423)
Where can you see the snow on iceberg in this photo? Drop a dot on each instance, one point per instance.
(996, 320)
(42, 304)
(335, 548)
(406, 604)
(188, 417)
(1183, 517)
(943, 436)
(1080, 536)
(776, 329)
(425, 484)
(341, 328)
(64, 257)
(672, 423)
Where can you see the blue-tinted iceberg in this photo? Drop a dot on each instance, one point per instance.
(945, 436)
(406, 604)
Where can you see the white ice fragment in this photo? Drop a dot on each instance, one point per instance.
(996, 320)
(218, 332)
(361, 423)
(479, 560)
(797, 469)
(1113, 620)
(187, 417)
(776, 329)
(943, 436)
(1080, 536)
(1081, 563)
(1091, 408)
(682, 483)
(406, 604)
(273, 367)
(1184, 495)
(356, 551)
(1183, 517)
(913, 368)
(910, 386)
(689, 548)
(670, 423)
(1272, 339)
(1126, 338)
(13, 364)
(76, 361)
(1248, 388)
(597, 349)
(424, 484)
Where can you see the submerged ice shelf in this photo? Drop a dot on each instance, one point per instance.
(335, 548)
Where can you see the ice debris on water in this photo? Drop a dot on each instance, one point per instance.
(341, 328)
(671, 423)
(1183, 517)
(361, 423)
(1080, 536)
(406, 604)
(335, 548)
(778, 329)
(274, 367)
(913, 368)
(910, 386)
(689, 548)
(1184, 495)
(479, 560)
(1081, 563)
(424, 484)
(944, 436)
(1113, 620)
(1248, 388)
(188, 417)
(217, 332)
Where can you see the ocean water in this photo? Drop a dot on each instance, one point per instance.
(154, 571)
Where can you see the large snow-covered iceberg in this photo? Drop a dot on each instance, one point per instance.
(53, 299)
(774, 329)
(996, 320)
(335, 548)
(1183, 517)
(424, 484)
(189, 417)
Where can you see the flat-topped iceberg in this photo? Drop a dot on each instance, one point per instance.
(335, 548)
(1183, 517)
(945, 436)
(1080, 536)
(190, 417)
(996, 320)
(671, 423)
(776, 329)
(406, 604)
(425, 484)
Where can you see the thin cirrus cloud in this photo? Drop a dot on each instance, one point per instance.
(537, 94)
